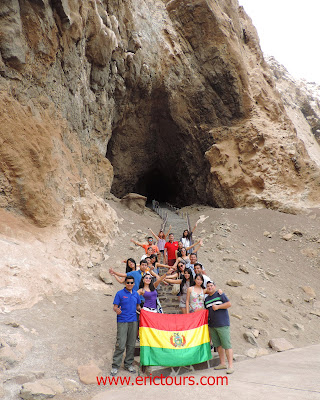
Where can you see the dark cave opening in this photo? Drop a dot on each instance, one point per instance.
(156, 185)
(154, 156)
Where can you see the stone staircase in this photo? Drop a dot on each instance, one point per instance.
(170, 305)
(178, 223)
(169, 301)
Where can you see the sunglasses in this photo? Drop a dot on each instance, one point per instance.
(129, 283)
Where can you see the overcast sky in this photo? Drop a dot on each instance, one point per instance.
(289, 30)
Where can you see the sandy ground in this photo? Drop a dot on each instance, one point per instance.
(64, 331)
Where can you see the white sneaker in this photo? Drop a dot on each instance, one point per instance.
(131, 369)
(113, 372)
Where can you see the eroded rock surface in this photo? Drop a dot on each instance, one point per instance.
(165, 100)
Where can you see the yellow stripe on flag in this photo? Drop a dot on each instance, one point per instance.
(174, 340)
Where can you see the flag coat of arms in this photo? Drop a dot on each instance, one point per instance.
(174, 340)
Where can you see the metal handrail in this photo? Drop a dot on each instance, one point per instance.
(189, 227)
(164, 222)
(162, 214)
(188, 222)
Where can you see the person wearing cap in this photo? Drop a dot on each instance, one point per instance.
(219, 325)
(126, 304)
(145, 246)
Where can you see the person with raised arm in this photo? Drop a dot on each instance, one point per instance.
(148, 290)
(145, 246)
(135, 274)
(185, 281)
(130, 266)
(181, 266)
(157, 265)
(161, 240)
(186, 238)
(199, 243)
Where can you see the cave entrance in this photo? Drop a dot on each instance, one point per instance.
(153, 156)
(156, 185)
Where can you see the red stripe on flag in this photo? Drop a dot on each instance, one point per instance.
(173, 322)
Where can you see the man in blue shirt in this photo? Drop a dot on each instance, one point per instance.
(125, 304)
(219, 325)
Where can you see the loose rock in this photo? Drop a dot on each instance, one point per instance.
(287, 237)
(309, 291)
(105, 277)
(250, 338)
(8, 359)
(234, 283)
(317, 313)
(41, 389)
(88, 373)
(280, 344)
(135, 202)
(253, 353)
(237, 316)
(244, 269)
(263, 316)
(300, 327)
(255, 333)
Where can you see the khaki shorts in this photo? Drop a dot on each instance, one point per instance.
(220, 336)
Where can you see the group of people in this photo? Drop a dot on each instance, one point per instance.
(194, 288)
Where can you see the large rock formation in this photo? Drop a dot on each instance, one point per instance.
(174, 92)
(173, 96)
(302, 103)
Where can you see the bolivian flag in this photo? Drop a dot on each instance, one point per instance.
(174, 339)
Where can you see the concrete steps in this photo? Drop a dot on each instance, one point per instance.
(178, 223)
(169, 302)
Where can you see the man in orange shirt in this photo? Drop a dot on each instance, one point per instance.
(147, 245)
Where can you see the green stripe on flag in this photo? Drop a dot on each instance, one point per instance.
(175, 357)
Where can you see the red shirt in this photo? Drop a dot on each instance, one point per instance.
(171, 249)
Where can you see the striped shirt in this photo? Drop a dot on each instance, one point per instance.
(219, 317)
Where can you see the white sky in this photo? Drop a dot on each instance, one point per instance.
(289, 30)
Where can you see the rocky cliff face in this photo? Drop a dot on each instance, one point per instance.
(174, 92)
(302, 103)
